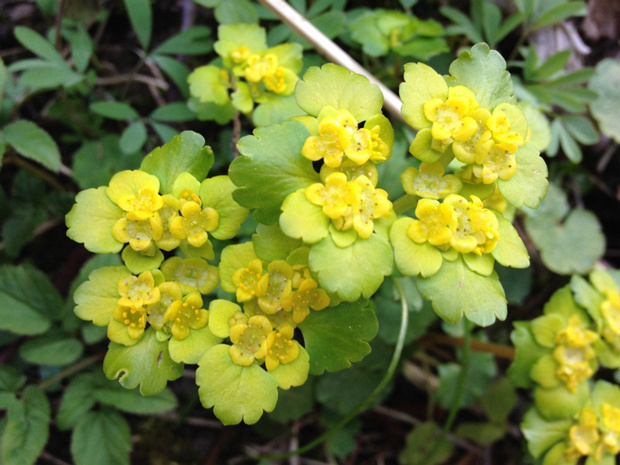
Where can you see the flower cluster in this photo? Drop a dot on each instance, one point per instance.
(252, 74)
(558, 354)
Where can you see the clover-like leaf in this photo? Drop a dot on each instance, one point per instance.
(483, 71)
(336, 86)
(337, 336)
(91, 220)
(456, 291)
(146, 364)
(184, 153)
(236, 393)
(529, 184)
(272, 168)
(354, 271)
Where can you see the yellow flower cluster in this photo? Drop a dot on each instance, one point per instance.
(610, 310)
(164, 306)
(574, 353)
(338, 136)
(484, 141)
(349, 204)
(274, 302)
(465, 226)
(593, 436)
(153, 221)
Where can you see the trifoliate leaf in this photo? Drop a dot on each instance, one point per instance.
(484, 72)
(236, 393)
(557, 243)
(184, 153)
(303, 220)
(51, 349)
(272, 244)
(529, 184)
(605, 107)
(272, 168)
(336, 86)
(131, 401)
(412, 258)
(32, 142)
(28, 301)
(354, 271)
(422, 83)
(91, 220)
(190, 349)
(217, 193)
(456, 291)
(27, 428)
(77, 400)
(100, 438)
(542, 434)
(97, 298)
(147, 364)
(337, 336)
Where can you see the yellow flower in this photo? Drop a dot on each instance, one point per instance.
(260, 66)
(167, 213)
(275, 286)
(281, 348)
(332, 196)
(429, 181)
(194, 223)
(450, 118)
(306, 296)
(367, 205)
(141, 235)
(583, 437)
(480, 141)
(138, 291)
(364, 145)
(505, 138)
(133, 318)
(185, 315)
(247, 281)
(574, 353)
(249, 340)
(170, 292)
(434, 224)
(334, 133)
(610, 309)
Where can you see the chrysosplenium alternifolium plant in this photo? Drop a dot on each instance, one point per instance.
(558, 354)
(327, 235)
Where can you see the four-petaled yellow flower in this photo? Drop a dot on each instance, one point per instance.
(434, 224)
(610, 309)
(281, 348)
(450, 117)
(195, 223)
(186, 314)
(249, 340)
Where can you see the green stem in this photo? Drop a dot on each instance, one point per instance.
(79, 366)
(400, 343)
(406, 202)
(460, 392)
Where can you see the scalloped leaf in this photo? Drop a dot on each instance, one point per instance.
(527, 354)
(27, 428)
(272, 168)
(605, 107)
(146, 364)
(236, 393)
(234, 257)
(573, 246)
(294, 373)
(336, 86)
(272, 244)
(456, 291)
(217, 193)
(510, 249)
(354, 271)
(483, 71)
(412, 258)
(184, 153)
(275, 109)
(422, 83)
(529, 184)
(301, 219)
(541, 434)
(97, 298)
(337, 336)
(190, 349)
(91, 220)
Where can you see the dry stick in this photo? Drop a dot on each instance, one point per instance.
(330, 50)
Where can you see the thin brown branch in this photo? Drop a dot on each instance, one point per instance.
(499, 350)
(123, 78)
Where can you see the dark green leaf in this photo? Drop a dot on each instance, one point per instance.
(82, 47)
(51, 349)
(77, 400)
(27, 300)
(193, 41)
(19, 228)
(32, 142)
(177, 71)
(101, 438)
(507, 27)
(38, 45)
(165, 132)
(554, 64)
(141, 17)
(491, 19)
(559, 13)
(11, 379)
(174, 112)
(133, 137)
(27, 429)
(581, 128)
(236, 11)
(114, 110)
(576, 77)
(130, 400)
(421, 447)
(464, 24)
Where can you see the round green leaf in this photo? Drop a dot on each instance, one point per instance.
(97, 298)
(337, 336)
(412, 258)
(541, 434)
(217, 193)
(529, 184)
(605, 108)
(236, 393)
(190, 349)
(51, 349)
(272, 244)
(303, 220)
(422, 83)
(294, 373)
(146, 364)
(510, 249)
